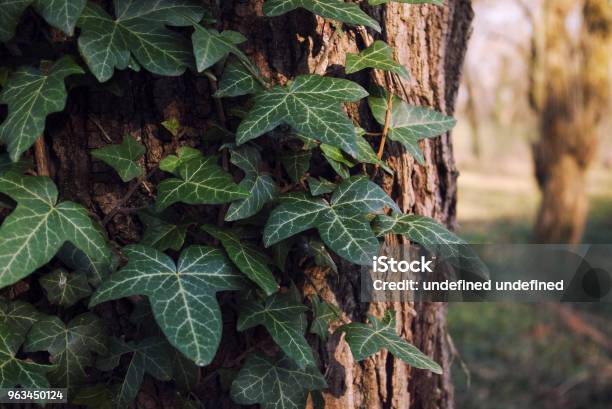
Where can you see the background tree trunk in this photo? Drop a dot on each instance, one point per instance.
(429, 40)
(572, 92)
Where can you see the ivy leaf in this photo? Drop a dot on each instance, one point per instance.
(210, 46)
(377, 2)
(201, 181)
(160, 233)
(366, 340)
(342, 224)
(284, 318)
(379, 55)
(320, 186)
(434, 237)
(62, 14)
(150, 356)
(237, 81)
(98, 396)
(173, 162)
(96, 270)
(296, 164)
(275, 385)
(182, 295)
(366, 154)
(18, 316)
(261, 187)
(122, 157)
(138, 30)
(331, 9)
(311, 105)
(32, 234)
(63, 288)
(31, 95)
(250, 261)
(15, 371)
(321, 256)
(70, 346)
(409, 124)
(323, 314)
(10, 12)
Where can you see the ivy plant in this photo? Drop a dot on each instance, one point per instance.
(290, 179)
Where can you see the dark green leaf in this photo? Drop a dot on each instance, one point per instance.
(138, 30)
(99, 396)
(331, 9)
(18, 316)
(284, 318)
(379, 55)
(296, 164)
(320, 186)
(31, 95)
(409, 124)
(160, 233)
(323, 314)
(173, 162)
(366, 154)
(275, 385)
(122, 157)
(237, 81)
(321, 256)
(70, 346)
(311, 105)
(151, 355)
(185, 373)
(210, 46)
(182, 295)
(62, 14)
(366, 340)
(32, 234)
(96, 270)
(201, 181)
(253, 263)
(261, 187)
(64, 288)
(10, 12)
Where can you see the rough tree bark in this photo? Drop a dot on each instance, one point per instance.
(429, 40)
(570, 94)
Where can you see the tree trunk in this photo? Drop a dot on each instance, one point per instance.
(570, 102)
(429, 40)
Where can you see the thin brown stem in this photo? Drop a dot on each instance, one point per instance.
(42, 157)
(383, 140)
(133, 188)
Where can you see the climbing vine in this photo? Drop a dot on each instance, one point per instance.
(174, 274)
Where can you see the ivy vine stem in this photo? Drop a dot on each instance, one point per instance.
(128, 195)
(383, 140)
(42, 157)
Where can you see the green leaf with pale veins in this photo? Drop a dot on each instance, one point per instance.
(342, 224)
(434, 237)
(320, 186)
(311, 105)
(331, 9)
(151, 355)
(296, 164)
(63, 288)
(275, 385)
(379, 55)
(70, 345)
(324, 313)
(31, 95)
(139, 30)
(250, 261)
(284, 318)
(210, 46)
(409, 124)
(161, 232)
(15, 371)
(377, 2)
(62, 14)
(201, 181)
(96, 270)
(172, 163)
(182, 295)
(261, 186)
(237, 81)
(123, 157)
(321, 256)
(366, 340)
(366, 154)
(32, 234)
(10, 12)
